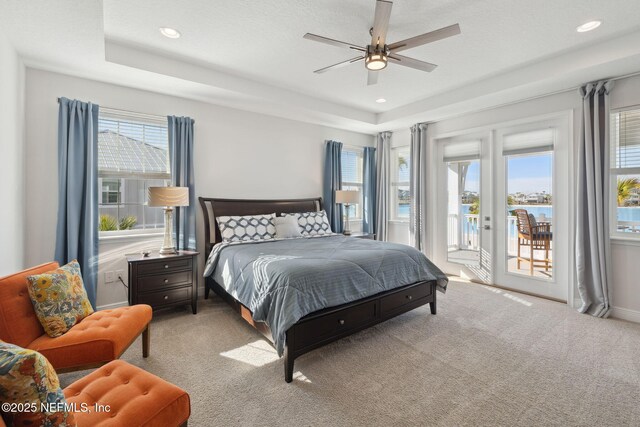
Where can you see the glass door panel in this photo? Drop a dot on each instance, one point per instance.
(463, 211)
(530, 214)
(532, 230)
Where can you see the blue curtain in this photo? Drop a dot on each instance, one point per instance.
(333, 182)
(181, 158)
(77, 230)
(369, 190)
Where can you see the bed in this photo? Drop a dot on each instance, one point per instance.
(304, 293)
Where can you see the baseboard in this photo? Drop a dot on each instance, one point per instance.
(626, 314)
(113, 305)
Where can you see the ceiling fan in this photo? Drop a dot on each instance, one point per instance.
(377, 54)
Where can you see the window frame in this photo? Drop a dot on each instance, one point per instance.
(117, 192)
(396, 183)
(614, 173)
(135, 119)
(353, 185)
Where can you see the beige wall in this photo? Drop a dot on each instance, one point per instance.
(238, 155)
(11, 150)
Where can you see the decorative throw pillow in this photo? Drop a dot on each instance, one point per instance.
(246, 228)
(287, 227)
(59, 298)
(313, 223)
(30, 389)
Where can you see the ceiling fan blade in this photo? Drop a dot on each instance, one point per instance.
(442, 33)
(381, 22)
(339, 64)
(412, 63)
(332, 42)
(372, 78)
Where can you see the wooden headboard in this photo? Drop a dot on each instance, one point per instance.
(212, 208)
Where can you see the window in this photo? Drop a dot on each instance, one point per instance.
(400, 193)
(352, 177)
(132, 156)
(625, 173)
(110, 191)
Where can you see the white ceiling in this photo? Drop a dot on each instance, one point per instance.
(251, 54)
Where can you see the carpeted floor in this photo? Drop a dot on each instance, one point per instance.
(489, 357)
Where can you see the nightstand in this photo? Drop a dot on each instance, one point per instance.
(361, 235)
(164, 280)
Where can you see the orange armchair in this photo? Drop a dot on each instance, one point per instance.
(97, 339)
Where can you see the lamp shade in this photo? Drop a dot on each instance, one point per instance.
(168, 196)
(347, 196)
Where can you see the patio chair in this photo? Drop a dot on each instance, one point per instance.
(535, 236)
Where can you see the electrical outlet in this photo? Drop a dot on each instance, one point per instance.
(109, 276)
(120, 274)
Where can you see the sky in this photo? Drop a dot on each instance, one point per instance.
(526, 174)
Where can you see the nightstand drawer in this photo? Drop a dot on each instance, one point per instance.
(163, 281)
(154, 267)
(172, 296)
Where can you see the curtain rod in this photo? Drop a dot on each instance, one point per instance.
(129, 113)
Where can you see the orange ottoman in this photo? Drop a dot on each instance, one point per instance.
(133, 397)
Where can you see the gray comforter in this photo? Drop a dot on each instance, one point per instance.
(282, 281)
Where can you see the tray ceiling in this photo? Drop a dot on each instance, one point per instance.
(251, 54)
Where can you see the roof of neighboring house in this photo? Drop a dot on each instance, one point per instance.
(121, 155)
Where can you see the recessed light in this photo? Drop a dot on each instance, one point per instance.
(381, 100)
(588, 26)
(172, 33)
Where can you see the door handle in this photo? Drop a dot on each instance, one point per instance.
(487, 227)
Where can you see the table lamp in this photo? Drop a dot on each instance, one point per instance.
(168, 197)
(347, 198)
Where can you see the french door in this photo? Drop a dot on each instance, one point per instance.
(503, 207)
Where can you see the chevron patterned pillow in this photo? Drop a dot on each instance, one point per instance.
(246, 228)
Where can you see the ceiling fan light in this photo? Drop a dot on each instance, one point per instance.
(375, 61)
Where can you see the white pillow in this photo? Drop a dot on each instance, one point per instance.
(246, 228)
(313, 223)
(286, 227)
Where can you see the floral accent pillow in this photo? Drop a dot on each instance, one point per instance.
(59, 298)
(30, 389)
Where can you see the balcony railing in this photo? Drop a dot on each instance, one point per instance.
(463, 235)
(469, 232)
(629, 226)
